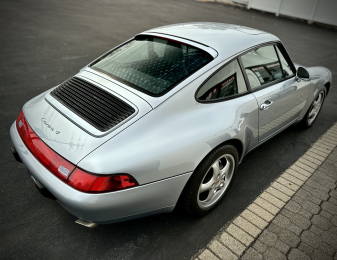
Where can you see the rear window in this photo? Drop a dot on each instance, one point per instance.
(152, 65)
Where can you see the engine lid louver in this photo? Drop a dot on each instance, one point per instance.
(98, 107)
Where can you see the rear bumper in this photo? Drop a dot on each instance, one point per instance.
(16, 155)
(148, 199)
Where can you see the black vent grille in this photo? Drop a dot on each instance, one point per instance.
(95, 105)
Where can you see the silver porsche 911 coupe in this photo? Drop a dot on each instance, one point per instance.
(166, 116)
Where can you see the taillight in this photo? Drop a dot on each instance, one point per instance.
(19, 117)
(87, 182)
(47, 157)
(66, 171)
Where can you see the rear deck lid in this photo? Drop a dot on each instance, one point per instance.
(81, 114)
(98, 107)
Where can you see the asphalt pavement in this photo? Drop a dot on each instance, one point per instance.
(43, 43)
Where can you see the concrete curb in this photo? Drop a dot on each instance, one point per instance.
(235, 239)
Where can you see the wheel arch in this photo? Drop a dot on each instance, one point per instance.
(238, 145)
(327, 85)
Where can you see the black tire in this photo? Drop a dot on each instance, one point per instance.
(305, 122)
(190, 195)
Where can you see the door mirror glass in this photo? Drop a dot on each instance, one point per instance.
(302, 73)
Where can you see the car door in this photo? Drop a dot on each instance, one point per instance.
(280, 97)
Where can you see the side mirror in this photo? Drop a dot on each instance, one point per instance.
(302, 74)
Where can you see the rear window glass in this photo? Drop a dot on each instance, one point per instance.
(152, 65)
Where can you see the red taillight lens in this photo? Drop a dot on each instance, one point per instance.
(86, 182)
(60, 167)
(47, 157)
(19, 117)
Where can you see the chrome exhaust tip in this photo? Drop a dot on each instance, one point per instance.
(86, 223)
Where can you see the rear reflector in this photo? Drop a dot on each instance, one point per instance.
(56, 164)
(66, 171)
(83, 181)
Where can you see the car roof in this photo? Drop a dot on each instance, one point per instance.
(226, 39)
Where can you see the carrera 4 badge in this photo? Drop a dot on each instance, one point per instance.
(48, 125)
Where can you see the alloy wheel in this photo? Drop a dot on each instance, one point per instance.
(316, 107)
(216, 181)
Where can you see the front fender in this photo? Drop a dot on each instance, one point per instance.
(319, 77)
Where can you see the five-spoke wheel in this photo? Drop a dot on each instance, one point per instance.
(210, 180)
(314, 109)
(216, 180)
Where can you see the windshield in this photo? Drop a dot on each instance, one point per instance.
(152, 65)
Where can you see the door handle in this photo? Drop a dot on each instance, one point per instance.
(266, 105)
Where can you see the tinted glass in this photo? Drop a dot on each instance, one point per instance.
(226, 82)
(262, 66)
(152, 65)
(285, 65)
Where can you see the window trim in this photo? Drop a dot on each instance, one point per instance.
(279, 60)
(244, 74)
(224, 98)
(135, 86)
(286, 57)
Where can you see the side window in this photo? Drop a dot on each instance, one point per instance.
(262, 66)
(226, 82)
(285, 65)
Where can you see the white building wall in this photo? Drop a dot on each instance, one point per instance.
(323, 11)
